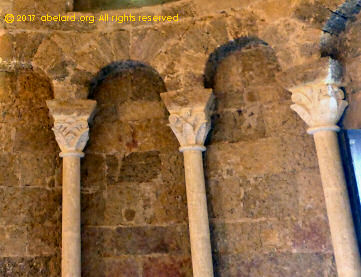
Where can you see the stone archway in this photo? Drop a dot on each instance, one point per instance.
(133, 194)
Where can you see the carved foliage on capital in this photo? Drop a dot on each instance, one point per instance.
(71, 127)
(320, 106)
(190, 126)
(71, 133)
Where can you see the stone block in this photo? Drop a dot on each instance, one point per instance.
(312, 235)
(110, 138)
(266, 94)
(27, 205)
(44, 240)
(13, 241)
(121, 267)
(281, 120)
(93, 170)
(235, 238)
(9, 172)
(225, 197)
(24, 52)
(131, 203)
(240, 125)
(50, 58)
(251, 237)
(140, 167)
(43, 266)
(39, 7)
(109, 267)
(33, 88)
(251, 65)
(112, 168)
(119, 241)
(93, 205)
(153, 134)
(272, 265)
(314, 13)
(175, 266)
(38, 170)
(263, 156)
(311, 198)
(146, 240)
(172, 167)
(35, 139)
(7, 87)
(267, 196)
(271, 196)
(7, 46)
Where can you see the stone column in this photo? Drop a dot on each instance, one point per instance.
(190, 121)
(72, 133)
(320, 104)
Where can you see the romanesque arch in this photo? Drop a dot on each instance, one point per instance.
(133, 180)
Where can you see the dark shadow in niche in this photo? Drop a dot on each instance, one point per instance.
(242, 75)
(236, 71)
(30, 167)
(130, 175)
(129, 111)
(224, 51)
(88, 5)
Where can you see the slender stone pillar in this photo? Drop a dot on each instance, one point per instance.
(72, 133)
(320, 104)
(190, 122)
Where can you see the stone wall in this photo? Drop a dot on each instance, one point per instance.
(351, 57)
(265, 198)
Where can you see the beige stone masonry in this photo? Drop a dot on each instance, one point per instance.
(320, 104)
(72, 133)
(190, 121)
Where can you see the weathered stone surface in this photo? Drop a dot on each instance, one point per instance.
(130, 203)
(314, 13)
(37, 6)
(13, 241)
(42, 166)
(93, 170)
(140, 167)
(37, 138)
(264, 156)
(143, 136)
(9, 175)
(276, 265)
(280, 120)
(24, 52)
(265, 198)
(6, 41)
(29, 205)
(252, 64)
(44, 240)
(262, 192)
(114, 242)
(93, 207)
(167, 266)
(8, 83)
(252, 236)
(110, 267)
(240, 125)
(32, 267)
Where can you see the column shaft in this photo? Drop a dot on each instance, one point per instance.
(337, 204)
(198, 214)
(71, 131)
(71, 236)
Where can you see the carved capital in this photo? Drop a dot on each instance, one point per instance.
(189, 116)
(71, 124)
(320, 103)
